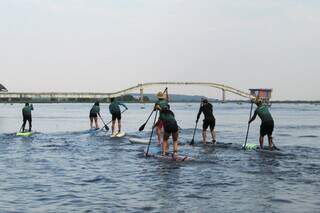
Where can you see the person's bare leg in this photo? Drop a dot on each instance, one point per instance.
(91, 122)
(204, 136)
(96, 122)
(119, 125)
(270, 142)
(158, 131)
(112, 126)
(165, 145)
(261, 142)
(213, 135)
(175, 142)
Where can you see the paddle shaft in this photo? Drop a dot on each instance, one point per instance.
(245, 142)
(20, 128)
(155, 118)
(194, 132)
(195, 128)
(145, 123)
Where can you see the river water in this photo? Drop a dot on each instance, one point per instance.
(64, 167)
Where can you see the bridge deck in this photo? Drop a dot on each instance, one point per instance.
(85, 95)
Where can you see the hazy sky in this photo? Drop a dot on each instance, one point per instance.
(108, 45)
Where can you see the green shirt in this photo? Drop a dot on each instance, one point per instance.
(263, 113)
(162, 104)
(114, 107)
(95, 109)
(26, 111)
(167, 116)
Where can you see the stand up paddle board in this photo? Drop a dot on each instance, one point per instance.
(156, 153)
(139, 140)
(250, 146)
(24, 134)
(118, 135)
(209, 144)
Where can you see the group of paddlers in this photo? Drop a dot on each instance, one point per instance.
(167, 123)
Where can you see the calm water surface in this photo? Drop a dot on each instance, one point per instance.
(64, 167)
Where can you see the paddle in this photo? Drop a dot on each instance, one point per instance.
(145, 123)
(155, 118)
(20, 128)
(274, 146)
(245, 143)
(106, 125)
(195, 128)
(194, 132)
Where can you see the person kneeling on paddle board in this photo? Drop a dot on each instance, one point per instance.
(26, 113)
(159, 105)
(267, 123)
(94, 112)
(170, 128)
(114, 109)
(208, 121)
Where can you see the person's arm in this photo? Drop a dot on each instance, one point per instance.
(157, 106)
(253, 117)
(199, 113)
(99, 111)
(31, 106)
(122, 104)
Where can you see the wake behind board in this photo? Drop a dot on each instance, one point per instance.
(139, 140)
(156, 153)
(24, 134)
(118, 135)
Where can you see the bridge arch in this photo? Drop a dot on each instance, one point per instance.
(141, 86)
(223, 87)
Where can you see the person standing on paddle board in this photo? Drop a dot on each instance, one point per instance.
(159, 105)
(94, 112)
(208, 121)
(170, 128)
(26, 113)
(114, 109)
(267, 123)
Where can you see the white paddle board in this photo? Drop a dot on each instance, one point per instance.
(139, 140)
(118, 135)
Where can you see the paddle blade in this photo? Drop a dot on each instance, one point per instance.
(191, 142)
(106, 127)
(142, 127)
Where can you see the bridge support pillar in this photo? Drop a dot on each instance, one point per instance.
(223, 95)
(141, 94)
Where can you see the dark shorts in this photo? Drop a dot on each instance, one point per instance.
(27, 118)
(209, 123)
(170, 127)
(116, 115)
(93, 115)
(266, 128)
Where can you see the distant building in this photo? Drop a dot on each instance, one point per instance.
(3, 89)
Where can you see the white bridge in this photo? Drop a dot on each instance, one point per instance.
(9, 96)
